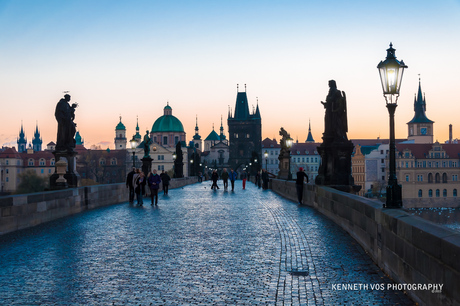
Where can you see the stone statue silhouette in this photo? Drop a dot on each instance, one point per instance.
(146, 144)
(335, 118)
(65, 115)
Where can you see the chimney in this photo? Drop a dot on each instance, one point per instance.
(450, 133)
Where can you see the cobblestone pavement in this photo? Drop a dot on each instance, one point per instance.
(199, 247)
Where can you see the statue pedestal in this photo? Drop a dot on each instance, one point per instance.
(335, 168)
(283, 173)
(146, 165)
(71, 175)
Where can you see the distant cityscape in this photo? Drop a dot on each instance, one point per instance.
(428, 171)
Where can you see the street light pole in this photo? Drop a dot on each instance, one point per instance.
(133, 144)
(266, 160)
(391, 73)
(289, 145)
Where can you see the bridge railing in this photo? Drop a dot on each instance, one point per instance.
(27, 210)
(409, 249)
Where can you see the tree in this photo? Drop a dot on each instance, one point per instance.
(31, 182)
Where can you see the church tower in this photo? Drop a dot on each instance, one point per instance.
(22, 141)
(120, 136)
(197, 138)
(245, 132)
(37, 141)
(310, 136)
(420, 127)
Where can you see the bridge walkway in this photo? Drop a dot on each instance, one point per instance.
(198, 247)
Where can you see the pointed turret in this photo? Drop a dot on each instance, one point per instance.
(420, 108)
(22, 140)
(37, 141)
(310, 136)
(137, 136)
(257, 113)
(420, 127)
(196, 136)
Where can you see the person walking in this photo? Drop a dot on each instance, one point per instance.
(299, 183)
(129, 184)
(165, 178)
(138, 181)
(265, 179)
(232, 176)
(214, 178)
(224, 177)
(258, 179)
(154, 184)
(244, 177)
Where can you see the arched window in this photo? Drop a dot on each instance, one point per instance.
(444, 178)
(113, 162)
(102, 162)
(31, 162)
(438, 178)
(437, 193)
(420, 193)
(455, 193)
(430, 193)
(430, 178)
(444, 193)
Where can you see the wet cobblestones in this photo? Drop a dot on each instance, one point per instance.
(199, 247)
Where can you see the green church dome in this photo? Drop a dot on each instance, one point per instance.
(120, 126)
(167, 122)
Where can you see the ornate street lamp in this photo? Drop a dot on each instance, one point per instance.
(266, 160)
(133, 144)
(174, 156)
(289, 145)
(391, 73)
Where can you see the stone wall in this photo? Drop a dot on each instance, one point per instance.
(409, 249)
(27, 210)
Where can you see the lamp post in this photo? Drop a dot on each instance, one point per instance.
(289, 145)
(133, 144)
(266, 160)
(191, 167)
(174, 164)
(391, 72)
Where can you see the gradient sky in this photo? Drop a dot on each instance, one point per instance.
(129, 58)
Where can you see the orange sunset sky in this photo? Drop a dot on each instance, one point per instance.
(130, 58)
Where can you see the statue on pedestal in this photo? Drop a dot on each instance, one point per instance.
(336, 149)
(284, 156)
(65, 115)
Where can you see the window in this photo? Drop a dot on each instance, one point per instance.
(444, 177)
(165, 140)
(176, 139)
(438, 178)
(7, 171)
(382, 161)
(42, 171)
(437, 193)
(420, 178)
(7, 162)
(102, 162)
(383, 169)
(455, 193)
(52, 162)
(420, 193)
(161, 167)
(407, 177)
(444, 193)
(31, 162)
(430, 193)
(454, 177)
(161, 157)
(430, 178)
(113, 162)
(42, 162)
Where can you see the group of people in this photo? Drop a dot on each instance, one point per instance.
(225, 176)
(136, 182)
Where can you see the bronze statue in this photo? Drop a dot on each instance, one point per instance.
(146, 144)
(65, 114)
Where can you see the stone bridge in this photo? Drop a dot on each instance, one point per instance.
(203, 247)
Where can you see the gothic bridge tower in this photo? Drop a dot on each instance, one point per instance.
(245, 133)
